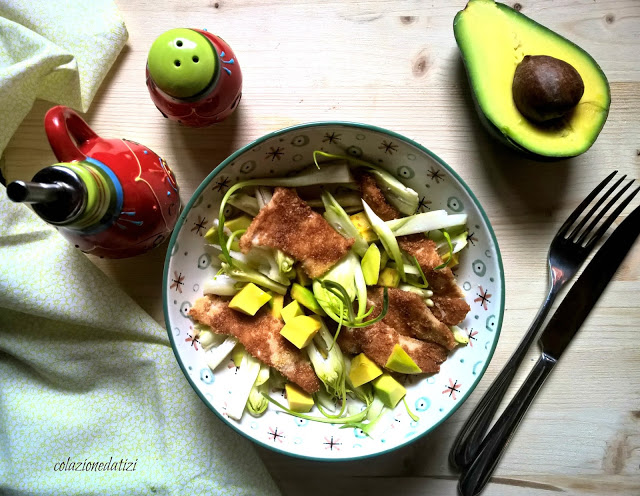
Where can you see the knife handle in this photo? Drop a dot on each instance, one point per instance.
(478, 474)
(467, 443)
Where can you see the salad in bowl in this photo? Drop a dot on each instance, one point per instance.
(322, 302)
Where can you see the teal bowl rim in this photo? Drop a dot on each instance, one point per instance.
(231, 158)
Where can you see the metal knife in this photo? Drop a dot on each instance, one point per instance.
(564, 324)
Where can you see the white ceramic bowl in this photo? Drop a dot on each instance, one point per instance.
(433, 398)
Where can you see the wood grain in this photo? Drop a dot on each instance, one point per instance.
(395, 64)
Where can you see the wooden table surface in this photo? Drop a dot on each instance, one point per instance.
(395, 64)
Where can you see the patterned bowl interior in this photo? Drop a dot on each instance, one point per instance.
(432, 398)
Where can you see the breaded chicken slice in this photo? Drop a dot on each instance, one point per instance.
(347, 341)
(449, 310)
(378, 340)
(288, 224)
(261, 337)
(409, 315)
(450, 306)
(372, 194)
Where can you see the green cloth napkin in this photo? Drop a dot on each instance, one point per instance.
(86, 376)
(59, 51)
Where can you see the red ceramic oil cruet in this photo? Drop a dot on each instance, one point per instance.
(193, 77)
(111, 198)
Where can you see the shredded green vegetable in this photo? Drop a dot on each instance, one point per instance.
(450, 259)
(326, 420)
(413, 416)
(350, 319)
(425, 283)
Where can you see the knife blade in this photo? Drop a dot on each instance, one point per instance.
(584, 293)
(555, 338)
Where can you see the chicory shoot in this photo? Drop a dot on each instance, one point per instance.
(340, 221)
(216, 355)
(243, 272)
(342, 273)
(387, 238)
(245, 379)
(425, 222)
(246, 203)
(257, 404)
(328, 362)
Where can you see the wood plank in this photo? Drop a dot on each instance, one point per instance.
(395, 64)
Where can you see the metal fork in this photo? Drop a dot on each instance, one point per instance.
(567, 253)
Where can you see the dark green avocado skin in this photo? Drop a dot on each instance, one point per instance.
(489, 126)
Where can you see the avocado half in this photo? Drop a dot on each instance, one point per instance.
(493, 39)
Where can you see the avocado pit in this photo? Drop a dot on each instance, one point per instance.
(545, 88)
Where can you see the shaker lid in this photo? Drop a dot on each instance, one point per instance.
(182, 62)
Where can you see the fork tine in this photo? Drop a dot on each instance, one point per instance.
(607, 223)
(602, 212)
(587, 216)
(585, 203)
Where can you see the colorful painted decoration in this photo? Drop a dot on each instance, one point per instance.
(111, 198)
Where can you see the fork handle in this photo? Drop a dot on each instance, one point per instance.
(478, 474)
(466, 445)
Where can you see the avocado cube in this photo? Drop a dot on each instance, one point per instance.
(239, 223)
(301, 277)
(300, 330)
(361, 221)
(250, 299)
(371, 265)
(389, 277)
(363, 370)
(275, 304)
(454, 260)
(290, 311)
(299, 400)
(459, 335)
(388, 390)
(305, 297)
(400, 361)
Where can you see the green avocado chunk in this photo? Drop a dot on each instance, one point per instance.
(305, 297)
(249, 300)
(389, 390)
(536, 91)
(400, 361)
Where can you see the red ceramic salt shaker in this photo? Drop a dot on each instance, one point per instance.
(193, 77)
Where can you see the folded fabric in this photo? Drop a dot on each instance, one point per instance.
(55, 50)
(88, 378)
(92, 400)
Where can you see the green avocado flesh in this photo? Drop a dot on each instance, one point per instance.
(493, 40)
